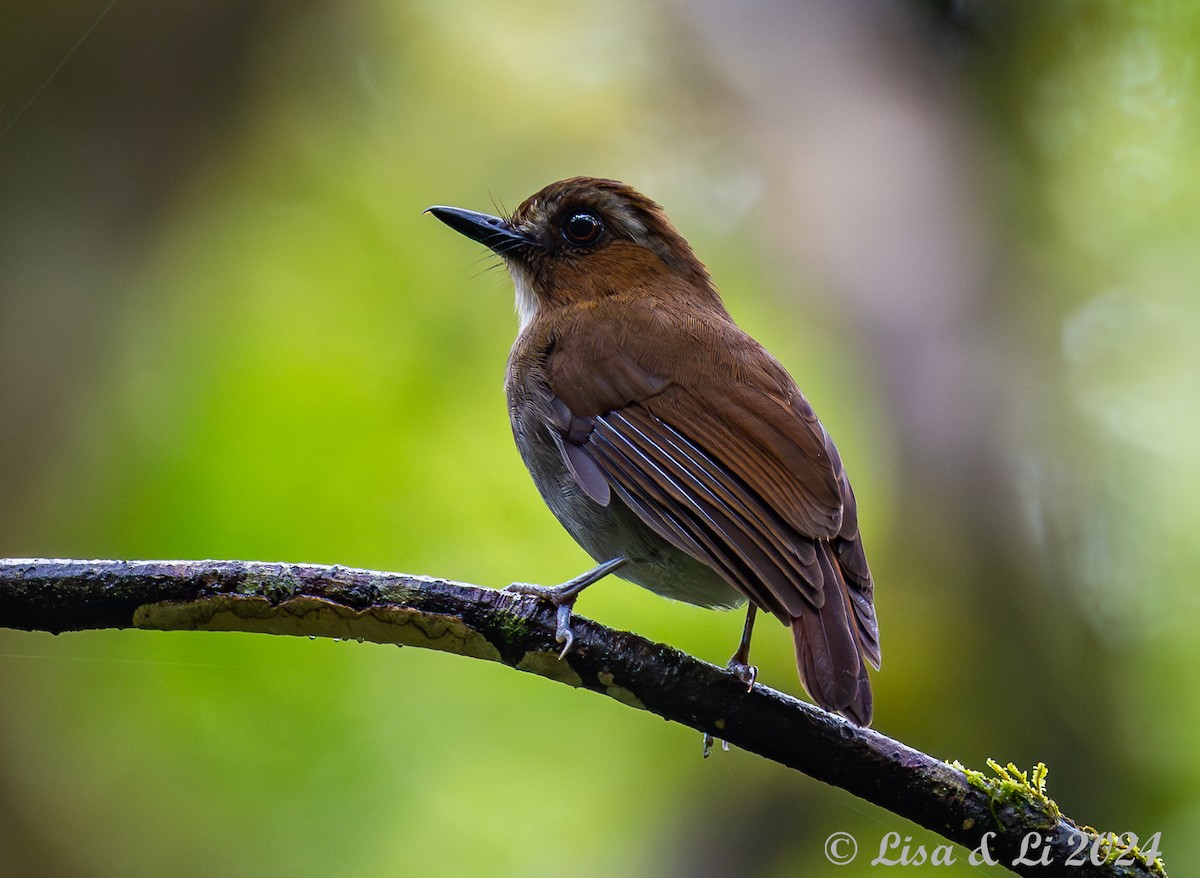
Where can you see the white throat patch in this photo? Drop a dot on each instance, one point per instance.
(527, 303)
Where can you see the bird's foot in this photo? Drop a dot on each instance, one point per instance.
(563, 597)
(744, 672)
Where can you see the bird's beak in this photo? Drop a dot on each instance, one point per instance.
(491, 231)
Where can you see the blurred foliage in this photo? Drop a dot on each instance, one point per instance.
(226, 330)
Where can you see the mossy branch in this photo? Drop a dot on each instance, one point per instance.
(1023, 828)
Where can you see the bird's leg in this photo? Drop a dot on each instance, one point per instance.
(741, 668)
(740, 663)
(563, 596)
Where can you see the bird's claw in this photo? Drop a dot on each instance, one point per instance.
(562, 632)
(562, 599)
(746, 673)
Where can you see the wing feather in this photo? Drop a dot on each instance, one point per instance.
(683, 527)
(741, 517)
(777, 451)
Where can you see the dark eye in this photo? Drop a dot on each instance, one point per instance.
(582, 228)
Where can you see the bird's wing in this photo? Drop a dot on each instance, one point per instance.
(744, 479)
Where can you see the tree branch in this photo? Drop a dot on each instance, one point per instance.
(56, 596)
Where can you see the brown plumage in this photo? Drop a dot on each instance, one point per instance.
(669, 443)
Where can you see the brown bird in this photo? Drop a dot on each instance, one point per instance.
(675, 450)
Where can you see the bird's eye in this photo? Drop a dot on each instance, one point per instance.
(582, 228)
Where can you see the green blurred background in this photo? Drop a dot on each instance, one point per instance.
(971, 231)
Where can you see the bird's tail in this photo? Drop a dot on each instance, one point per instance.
(835, 642)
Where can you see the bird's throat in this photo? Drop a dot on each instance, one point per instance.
(527, 302)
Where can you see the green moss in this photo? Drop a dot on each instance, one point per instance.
(1013, 787)
(513, 627)
(1115, 847)
(275, 586)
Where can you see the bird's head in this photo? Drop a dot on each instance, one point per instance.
(584, 239)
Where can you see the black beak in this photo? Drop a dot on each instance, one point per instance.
(491, 231)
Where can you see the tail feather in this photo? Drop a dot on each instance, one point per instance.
(856, 574)
(856, 578)
(832, 642)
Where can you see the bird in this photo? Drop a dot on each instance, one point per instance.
(671, 445)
